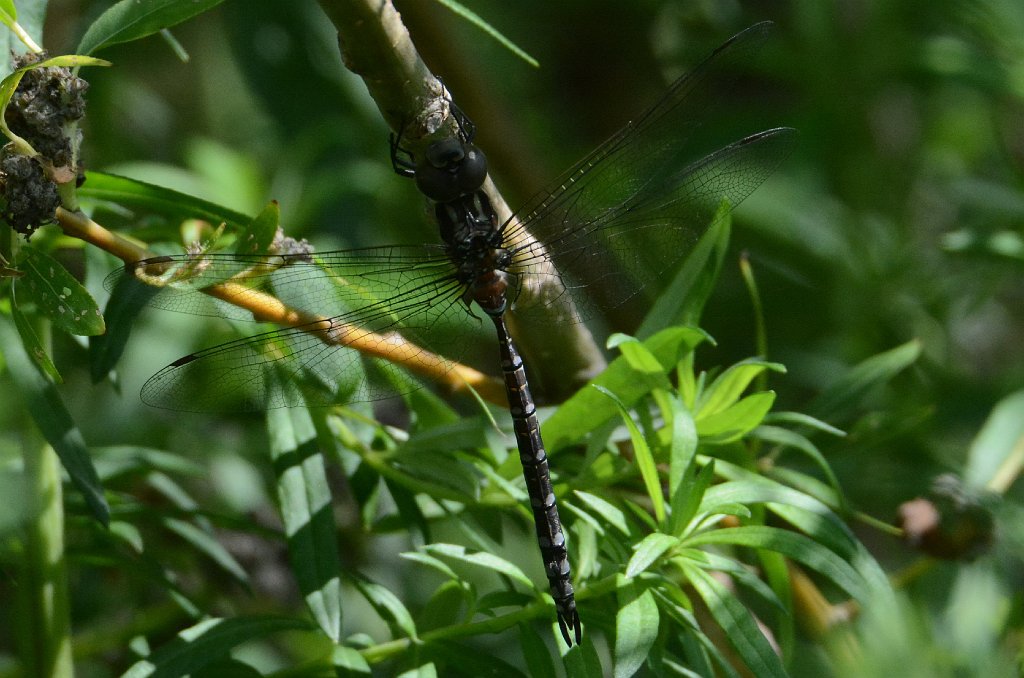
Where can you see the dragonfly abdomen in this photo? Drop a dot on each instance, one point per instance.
(536, 473)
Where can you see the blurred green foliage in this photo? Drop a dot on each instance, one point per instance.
(899, 219)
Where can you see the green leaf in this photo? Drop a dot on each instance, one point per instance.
(801, 419)
(744, 576)
(227, 667)
(997, 453)
(8, 13)
(683, 446)
(796, 546)
(431, 561)
(689, 496)
(588, 409)
(683, 300)
(205, 543)
(581, 661)
(55, 423)
(126, 302)
(724, 391)
(611, 514)
(737, 420)
(348, 661)
(387, 605)
(257, 236)
(649, 550)
(445, 607)
(848, 392)
(647, 370)
(206, 642)
(643, 456)
(133, 19)
(33, 346)
(487, 561)
(57, 294)
(427, 670)
(471, 17)
(636, 628)
(738, 624)
(786, 438)
(307, 513)
(149, 199)
(535, 653)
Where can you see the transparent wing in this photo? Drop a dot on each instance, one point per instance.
(631, 209)
(355, 316)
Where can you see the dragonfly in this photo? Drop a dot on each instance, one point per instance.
(617, 220)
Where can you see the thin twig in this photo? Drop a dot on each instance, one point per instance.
(375, 45)
(268, 308)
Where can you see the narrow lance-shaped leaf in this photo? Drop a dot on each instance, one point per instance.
(33, 346)
(475, 19)
(57, 294)
(133, 19)
(305, 499)
(997, 453)
(737, 420)
(8, 13)
(648, 550)
(487, 561)
(739, 625)
(388, 606)
(58, 428)
(724, 391)
(682, 301)
(872, 372)
(589, 409)
(644, 458)
(636, 627)
(682, 446)
(796, 546)
(206, 642)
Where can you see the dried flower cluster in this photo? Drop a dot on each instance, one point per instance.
(43, 111)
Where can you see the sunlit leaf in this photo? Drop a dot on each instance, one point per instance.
(997, 453)
(487, 561)
(739, 625)
(8, 13)
(589, 409)
(737, 420)
(796, 546)
(57, 294)
(724, 391)
(133, 19)
(306, 509)
(643, 456)
(206, 642)
(477, 21)
(636, 628)
(648, 551)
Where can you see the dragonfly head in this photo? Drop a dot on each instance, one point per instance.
(451, 168)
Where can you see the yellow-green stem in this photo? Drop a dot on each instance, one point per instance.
(42, 592)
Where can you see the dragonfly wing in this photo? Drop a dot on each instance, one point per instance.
(624, 214)
(618, 252)
(357, 315)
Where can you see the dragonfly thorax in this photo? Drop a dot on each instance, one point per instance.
(465, 222)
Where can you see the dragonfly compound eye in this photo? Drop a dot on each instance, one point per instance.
(452, 168)
(472, 170)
